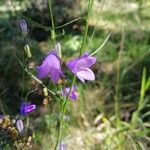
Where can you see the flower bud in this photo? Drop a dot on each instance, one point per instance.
(58, 50)
(45, 91)
(19, 125)
(23, 27)
(27, 51)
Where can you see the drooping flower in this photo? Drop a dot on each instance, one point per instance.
(27, 108)
(81, 67)
(73, 94)
(50, 67)
(19, 125)
(23, 27)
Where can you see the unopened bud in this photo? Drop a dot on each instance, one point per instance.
(45, 91)
(19, 125)
(28, 51)
(23, 27)
(58, 50)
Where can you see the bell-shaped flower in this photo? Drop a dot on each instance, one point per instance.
(50, 67)
(81, 67)
(73, 94)
(27, 108)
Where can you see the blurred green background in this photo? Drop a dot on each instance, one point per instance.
(127, 50)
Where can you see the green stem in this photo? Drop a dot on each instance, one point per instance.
(53, 35)
(23, 76)
(117, 90)
(63, 111)
(24, 66)
(90, 3)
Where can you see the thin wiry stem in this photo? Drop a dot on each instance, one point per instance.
(47, 28)
(53, 35)
(63, 111)
(90, 4)
(117, 92)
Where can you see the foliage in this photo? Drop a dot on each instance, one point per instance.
(113, 111)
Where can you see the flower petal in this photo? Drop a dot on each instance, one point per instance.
(73, 95)
(51, 67)
(30, 108)
(43, 71)
(55, 75)
(26, 108)
(85, 74)
(71, 65)
(86, 61)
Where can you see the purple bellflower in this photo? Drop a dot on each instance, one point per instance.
(73, 94)
(27, 108)
(81, 67)
(51, 67)
(23, 27)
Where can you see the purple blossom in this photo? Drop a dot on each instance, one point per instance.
(81, 67)
(23, 27)
(27, 108)
(19, 125)
(73, 94)
(50, 67)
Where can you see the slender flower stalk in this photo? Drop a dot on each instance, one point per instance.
(53, 36)
(90, 4)
(63, 111)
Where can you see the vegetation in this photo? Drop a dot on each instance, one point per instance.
(111, 112)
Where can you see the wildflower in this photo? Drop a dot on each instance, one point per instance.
(26, 108)
(73, 94)
(23, 27)
(81, 67)
(19, 125)
(50, 67)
